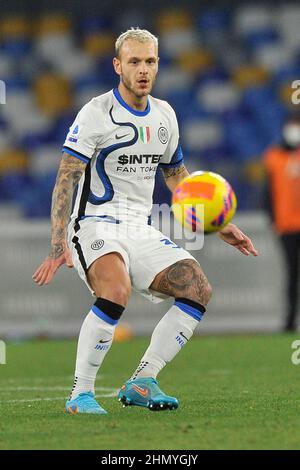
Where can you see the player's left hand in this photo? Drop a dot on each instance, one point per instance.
(234, 236)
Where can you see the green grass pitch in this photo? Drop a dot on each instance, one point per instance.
(235, 392)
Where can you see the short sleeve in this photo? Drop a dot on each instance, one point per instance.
(83, 135)
(173, 155)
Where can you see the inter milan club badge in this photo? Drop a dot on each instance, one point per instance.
(163, 135)
(97, 244)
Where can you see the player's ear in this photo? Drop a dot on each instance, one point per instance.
(117, 65)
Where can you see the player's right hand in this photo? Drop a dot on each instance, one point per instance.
(45, 272)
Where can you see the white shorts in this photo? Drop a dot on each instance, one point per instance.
(145, 250)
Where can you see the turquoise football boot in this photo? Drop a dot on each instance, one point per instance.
(145, 392)
(84, 403)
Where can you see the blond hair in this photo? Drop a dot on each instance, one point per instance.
(140, 35)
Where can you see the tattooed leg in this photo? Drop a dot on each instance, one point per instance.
(183, 279)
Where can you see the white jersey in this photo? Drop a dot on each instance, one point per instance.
(123, 149)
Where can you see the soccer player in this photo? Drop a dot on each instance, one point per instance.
(112, 151)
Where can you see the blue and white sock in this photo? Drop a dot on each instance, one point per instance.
(95, 339)
(169, 336)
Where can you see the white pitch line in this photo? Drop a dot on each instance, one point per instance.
(57, 388)
(25, 400)
(43, 379)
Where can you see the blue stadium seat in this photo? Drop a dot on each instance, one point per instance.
(32, 140)
(92, 24)
(16, 47)
(270, 120)
(185, 105)
(106, 74)
(257, 97)
(213, 20)
(216, 72)
(13, 185)
(61, 128)
(287, 74)
(257, 39)
(36, 201)
(17, 82)
(244, 138)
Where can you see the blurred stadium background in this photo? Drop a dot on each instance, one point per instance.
(226, 68)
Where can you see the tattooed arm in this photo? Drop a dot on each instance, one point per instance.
(69, 173)
(173, 176)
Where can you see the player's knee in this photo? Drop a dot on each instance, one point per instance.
(204, 292)
(207, 293)
(119, 293)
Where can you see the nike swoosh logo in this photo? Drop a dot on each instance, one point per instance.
(120, 136)
(141, 391)
(183, 336)
(101, 341)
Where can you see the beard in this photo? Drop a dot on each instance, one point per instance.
(130, 87)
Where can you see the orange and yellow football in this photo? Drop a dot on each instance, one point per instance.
(204, 201)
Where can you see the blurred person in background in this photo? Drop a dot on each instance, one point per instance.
(282, 165)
